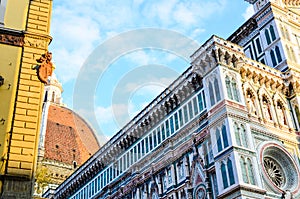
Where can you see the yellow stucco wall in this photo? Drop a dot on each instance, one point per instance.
(16, 14)
(26, 27)
(10, 57)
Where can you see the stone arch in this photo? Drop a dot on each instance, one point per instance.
(197, 173)
(267, 106)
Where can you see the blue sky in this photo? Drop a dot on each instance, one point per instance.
(87, 34)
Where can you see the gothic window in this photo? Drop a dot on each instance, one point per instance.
(169, 176)
(224, 175)
(273, 58)
(230, 172)
(164, 179)
(195, 104)
(224, 135)
(237, 134)
(273, 36)
(235, 91)
(185, 113)
(244, 170)
(222, 139)
(154, 138)
(227, 173)
(243, 136)
(258, 46)
(219, 141)
(176, 121)
(217, 90)
(214, 91)
(190, 110)
(211, 93)
(247, 170)
(171, 125)
(228, 87)
(270, 34)
(250, 171)
(231, 88)
(180, 169)
(278, 54)
(267, 36)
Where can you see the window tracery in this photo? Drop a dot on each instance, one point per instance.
(221, 137)
(213, 90)
(232, 90)
(227, 173)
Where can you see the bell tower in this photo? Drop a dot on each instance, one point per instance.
(24, 37)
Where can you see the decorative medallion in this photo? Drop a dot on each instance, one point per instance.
(45, 68)
(200, 193)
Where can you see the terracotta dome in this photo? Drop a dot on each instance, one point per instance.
(66, 140)
(68, 137)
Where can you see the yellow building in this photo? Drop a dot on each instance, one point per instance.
(24, 37)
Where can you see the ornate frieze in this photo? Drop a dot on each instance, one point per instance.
(10, 37)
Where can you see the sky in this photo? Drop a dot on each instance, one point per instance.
(114, 57)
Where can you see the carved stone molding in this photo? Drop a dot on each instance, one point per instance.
(11, 39)
(33, 41)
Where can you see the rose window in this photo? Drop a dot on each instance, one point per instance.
(274, 171)
(280, 169)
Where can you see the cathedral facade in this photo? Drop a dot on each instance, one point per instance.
(228, 127)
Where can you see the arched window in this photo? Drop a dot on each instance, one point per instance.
(244, 170)
(230, 172)
(219, 141)
(211, 93)
(274, 62)
(235, 91)
(224, 135)
(273, 36)
(237, 134)
(224, 175)
(267, 36)
(244, 136)
(217, 90)
(232, 90)
(278, 54)
(228, 87)
(250, 171)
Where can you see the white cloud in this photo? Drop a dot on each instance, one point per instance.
(248, 12)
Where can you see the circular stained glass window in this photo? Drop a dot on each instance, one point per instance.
(280, 169)
(274, 171)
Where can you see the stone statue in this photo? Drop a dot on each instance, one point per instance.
(251, 106)
(266, 111)
(280, 114)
